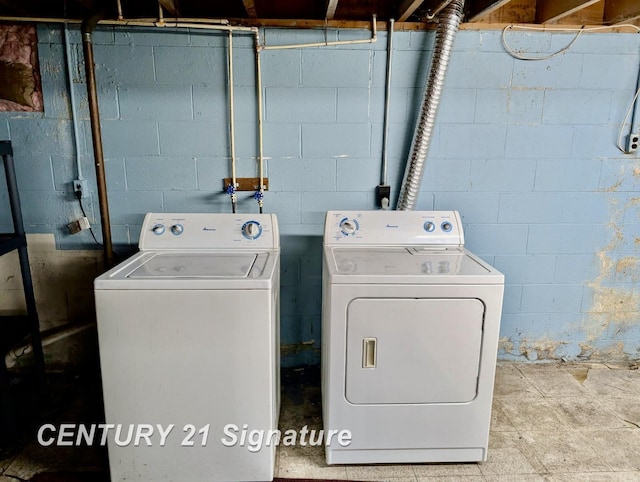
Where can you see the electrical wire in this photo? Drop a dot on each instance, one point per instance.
(563, 50)
(624, 122)
(580, 31)
(79, 198)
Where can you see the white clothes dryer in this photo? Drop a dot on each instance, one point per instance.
(188, 333)
(409, 338)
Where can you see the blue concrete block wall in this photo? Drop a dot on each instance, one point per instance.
(524, 150)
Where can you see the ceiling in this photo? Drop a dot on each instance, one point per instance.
(334, 13)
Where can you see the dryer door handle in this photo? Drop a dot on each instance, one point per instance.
(369, 352)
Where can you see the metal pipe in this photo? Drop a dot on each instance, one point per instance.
(260, 137)
(87, 28)
(448, 24)
(72, 96)
(387, 99)
(437, 10)
(119, 4)
(232, 140)
(373, 39)
(160, 16)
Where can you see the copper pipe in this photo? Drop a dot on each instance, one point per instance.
(98, 154)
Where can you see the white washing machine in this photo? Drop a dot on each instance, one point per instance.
(409, 338)
(188, 333)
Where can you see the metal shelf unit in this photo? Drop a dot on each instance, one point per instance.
(15, 328)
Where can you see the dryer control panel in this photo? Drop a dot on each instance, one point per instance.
(209, 231)
(388, 228)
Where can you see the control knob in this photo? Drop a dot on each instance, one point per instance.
(429, 227)
(177, 229)
(349, 227)
(446, 226)
(251, 229)
(158, 229)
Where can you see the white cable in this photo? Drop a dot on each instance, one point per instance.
(624, 122)
(580, 31)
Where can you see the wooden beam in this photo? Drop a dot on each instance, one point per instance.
(483, 8)
(620, 11)
(170, 6)
(250, 8)
(332, 5)
(406, 9)
(592, 15)
(553, 10)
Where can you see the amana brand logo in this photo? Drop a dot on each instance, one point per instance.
(392, 226)
(208, 229)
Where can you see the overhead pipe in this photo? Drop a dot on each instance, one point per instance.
(259, 195)
(448, 25)
(87, 46)
(383, 189)
(231, 189)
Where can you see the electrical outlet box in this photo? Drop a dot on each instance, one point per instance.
(633, 141)
(78, 225)
(383, 196)
(80, 185)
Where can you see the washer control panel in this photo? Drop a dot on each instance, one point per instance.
(393, 228)
(209, 231)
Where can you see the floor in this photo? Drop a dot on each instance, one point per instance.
(551, 422)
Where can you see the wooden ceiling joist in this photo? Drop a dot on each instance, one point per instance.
(621, 11)
(483, 8)
(250, 8)
(332, 5)
(554, 10)
(406, 9)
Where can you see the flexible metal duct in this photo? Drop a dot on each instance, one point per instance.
(448, 24)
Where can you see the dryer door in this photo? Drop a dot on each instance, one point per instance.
(413, 350)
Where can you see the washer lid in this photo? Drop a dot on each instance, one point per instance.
(193, 270)
(184, 265)
(411, 264)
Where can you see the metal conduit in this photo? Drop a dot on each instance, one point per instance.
(448, 24)
(87, 28)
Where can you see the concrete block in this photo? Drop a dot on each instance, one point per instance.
(315, 207)
(4, 128)
(576, 107)
(530, 208)
(279, 36)
(211, 102)
(630, 239)
(619, 175)
(53, 67)
(561, 72)
(602, 71)
(204, 201)
(190, 65)
(160, 173)
(210, 171)
(512, 298)
(566, 238)
(410, 69)
(129, 138)
(286, 205)
(289, 269)
(446, 175)
(167, 36)
(468, 41)
(209, 38)
(527, 269)
(608, 43)
(400, 40)
(282, 140)
(124, 64)
(525, 106)
(121, 202)
(471, 141)
(576, 268)
(336, 140)
(56, 101)
(290, 175)
(30, 136)
(474, 208)
(284, 104)
(33, 173)
(539, 141)
(457, 106)
(422, 40)
(65, 171)
(281, 68)
(194, 138)
(479, 70)
(48, 208)
(398, 109)
(483, 239)
(107, 101)
(568, 175)
(592, 142)
(319, 68)
(502, 175)
(551, 298)
(155, 101)
(492, 106)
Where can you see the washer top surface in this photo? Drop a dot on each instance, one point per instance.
(201, 251)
